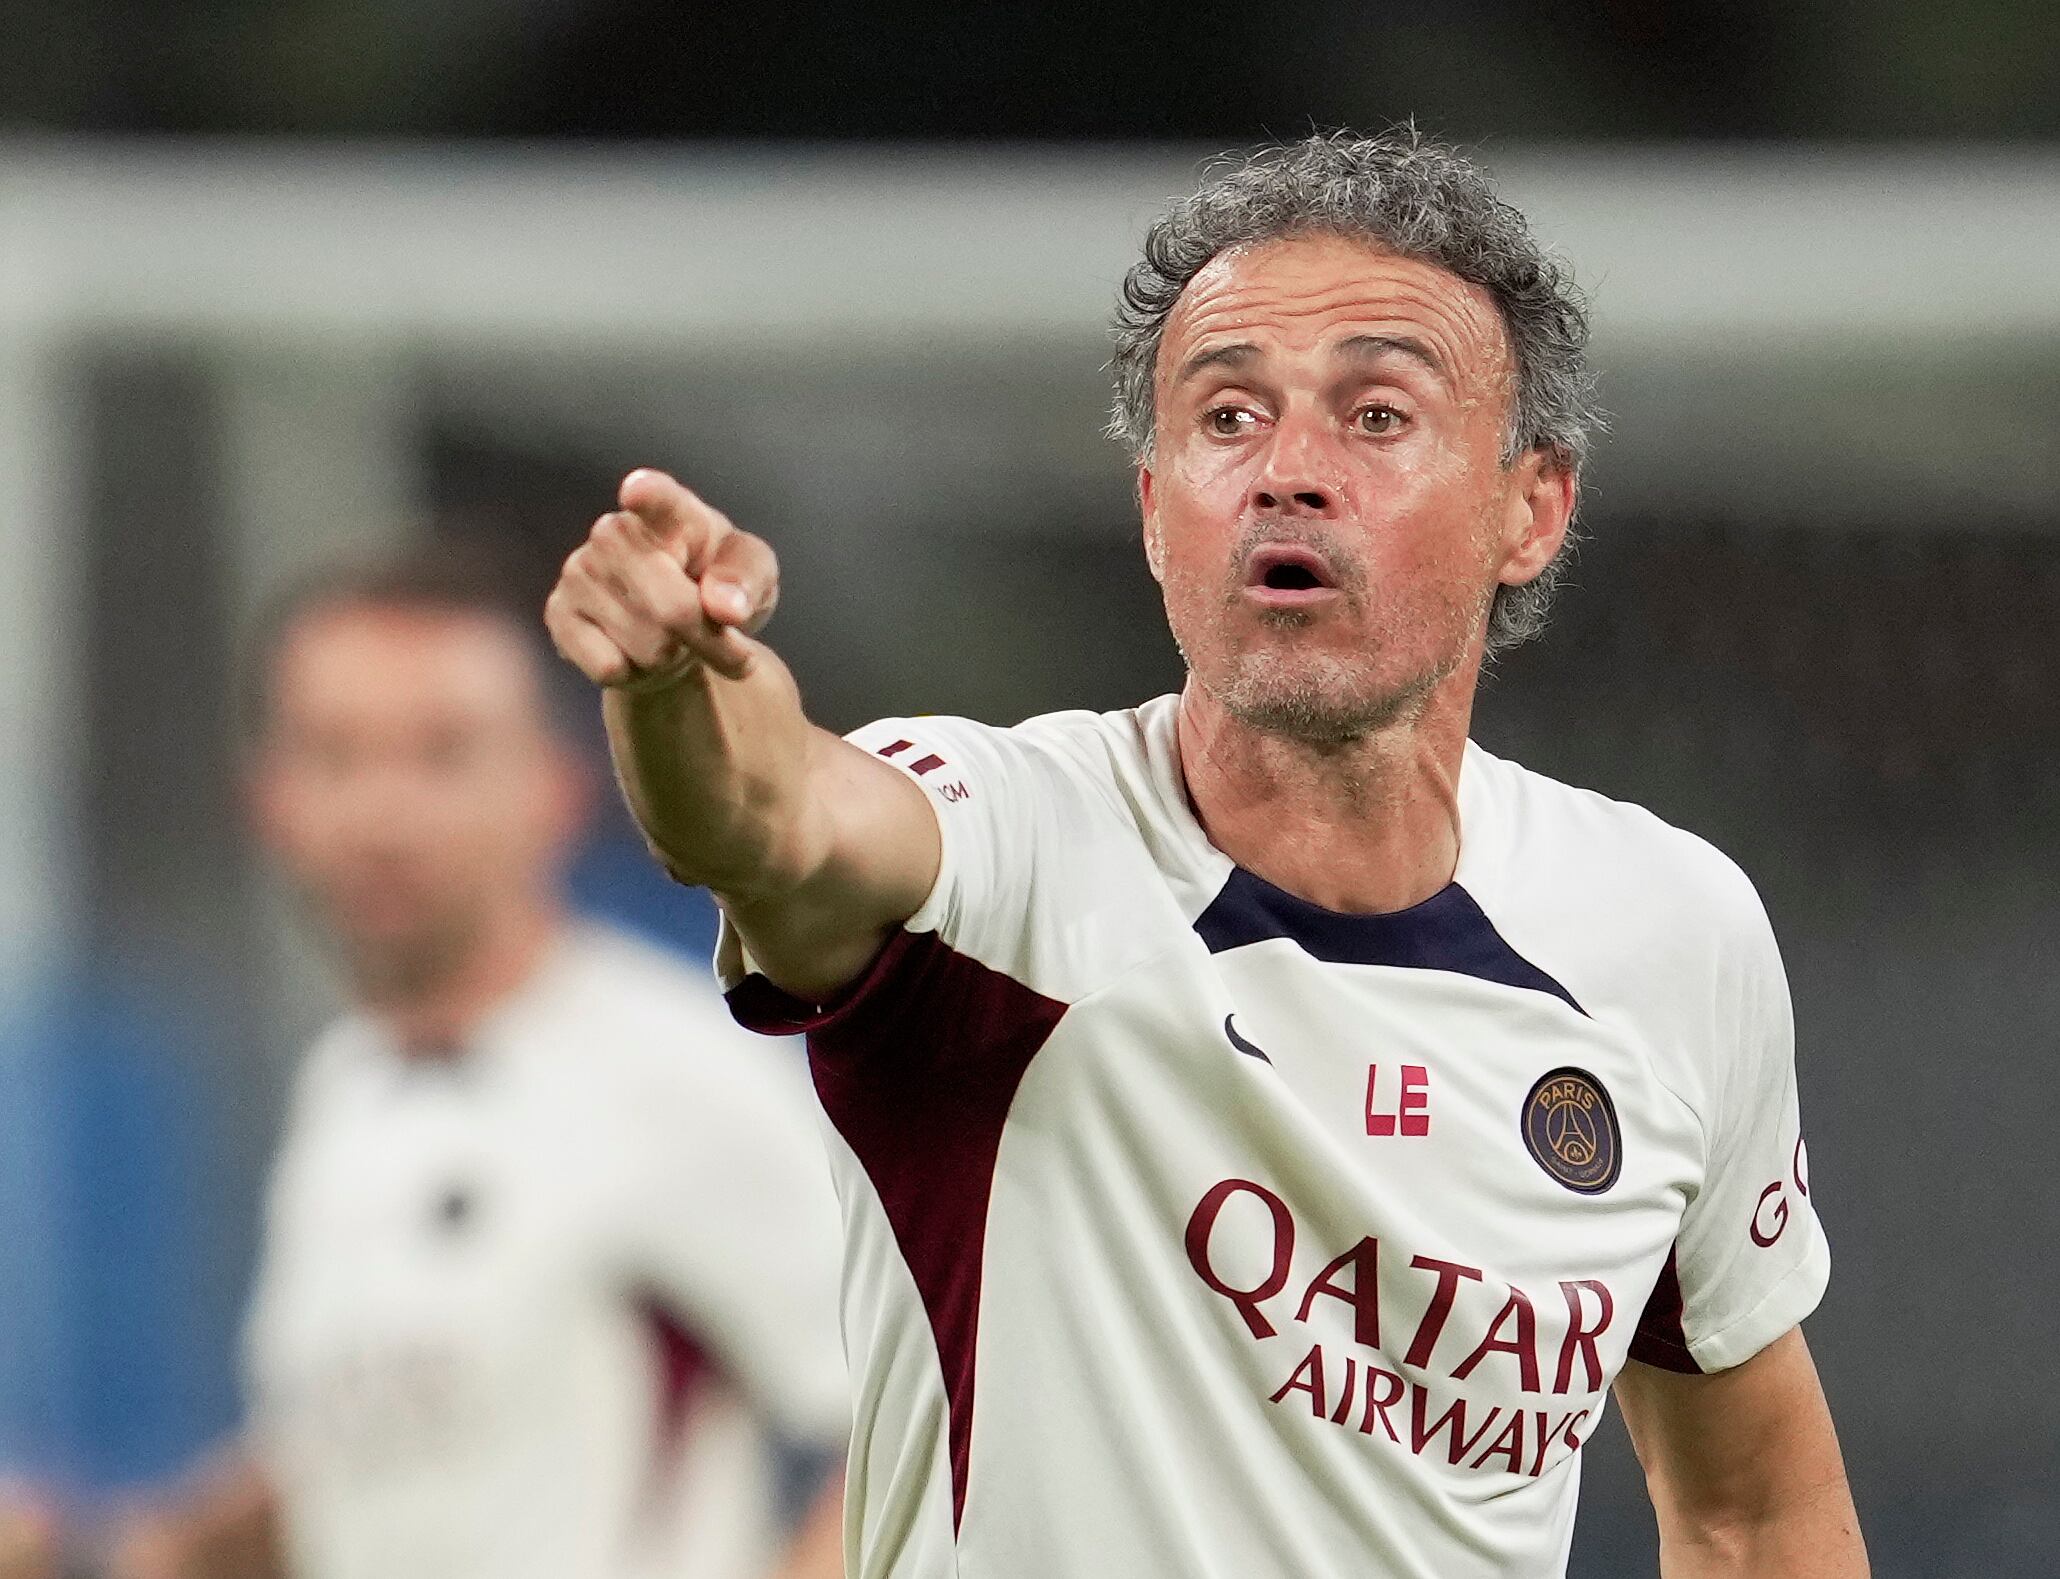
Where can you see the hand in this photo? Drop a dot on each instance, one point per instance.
(661, 586)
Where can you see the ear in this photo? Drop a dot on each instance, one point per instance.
(564, 799)
(1539, 509)
(1154, 543)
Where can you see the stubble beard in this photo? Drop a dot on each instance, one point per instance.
(1320, 698)
(1317, 700)
(403, 966)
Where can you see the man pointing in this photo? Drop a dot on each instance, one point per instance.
(1270, 1125)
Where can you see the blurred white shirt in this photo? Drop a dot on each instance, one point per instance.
(540, 1309)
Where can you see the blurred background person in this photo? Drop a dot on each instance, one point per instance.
(549, 1253)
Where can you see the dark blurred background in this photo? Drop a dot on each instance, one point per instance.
(1722, 70)
(280, 281)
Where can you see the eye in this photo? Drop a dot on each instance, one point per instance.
(1229, 422)
(1378, 420)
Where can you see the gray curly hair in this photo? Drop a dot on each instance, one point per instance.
(1418, 198)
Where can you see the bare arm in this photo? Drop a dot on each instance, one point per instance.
(30, 1543)
(1744, 1469)
(816, 849)
(224, 1526)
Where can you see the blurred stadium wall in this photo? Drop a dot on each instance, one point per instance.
(1816, 621)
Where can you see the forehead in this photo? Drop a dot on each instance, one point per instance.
(1309, 293)
(398, 664)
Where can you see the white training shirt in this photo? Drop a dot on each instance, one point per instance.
(1196, 1232)
(528, 1312)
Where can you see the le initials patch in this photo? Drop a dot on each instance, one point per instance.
(1410, 1112)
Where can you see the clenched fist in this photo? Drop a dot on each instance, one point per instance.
(661, 586)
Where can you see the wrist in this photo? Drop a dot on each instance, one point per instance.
(648, 682)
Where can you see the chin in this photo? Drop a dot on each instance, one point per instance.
(1322, 701)
(401, 951)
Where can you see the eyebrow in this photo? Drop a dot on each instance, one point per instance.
(1230, 356)
(1360, 347)
(1371, 347)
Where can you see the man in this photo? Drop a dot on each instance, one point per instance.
(550, 1246)
(1268, 1123)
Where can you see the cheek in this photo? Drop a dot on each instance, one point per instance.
(312, 813)
(1200, 478)
(1197, 512)
(1431, 520)
(507, 825)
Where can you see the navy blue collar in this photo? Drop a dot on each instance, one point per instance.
(1447, 931)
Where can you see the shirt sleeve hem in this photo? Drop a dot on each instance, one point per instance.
(758, 1005)
(1784, 1306)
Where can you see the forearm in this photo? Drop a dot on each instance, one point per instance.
(814, 847)
(1744, 1469)
(1813, 1534)
(224, 1527)
(716, 771)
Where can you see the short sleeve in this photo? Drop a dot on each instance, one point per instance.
(735, 1226)
(1750, 1260)
(1022, 831)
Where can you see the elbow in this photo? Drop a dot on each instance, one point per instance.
(1812, 1532)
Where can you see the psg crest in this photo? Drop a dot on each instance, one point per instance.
(1570, 1127)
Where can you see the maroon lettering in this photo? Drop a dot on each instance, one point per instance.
(1544, 1441)
(1377, 1407)
(1580, 1337)
(1337, 1415)
(1433, 1323)
(1777, 1219)
(1802, 1168)
(1203, 1224)
(1569, 1436)
(1412, 1108)
(1308, 1378)
(1509, 1445)
(1363, 1294)
(1524, 1345)
(1453, 1421)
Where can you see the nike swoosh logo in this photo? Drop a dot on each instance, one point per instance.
(1249, 1049)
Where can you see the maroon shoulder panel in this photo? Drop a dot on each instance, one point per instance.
(1659, 1339)
(917, 1065)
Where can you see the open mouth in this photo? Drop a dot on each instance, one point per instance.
(1288, 568)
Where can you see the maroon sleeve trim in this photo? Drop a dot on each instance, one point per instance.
(757, 1005)
(1660, 1339)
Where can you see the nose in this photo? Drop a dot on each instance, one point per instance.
(1292, 479)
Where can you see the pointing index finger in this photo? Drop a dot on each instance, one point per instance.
(679, 521)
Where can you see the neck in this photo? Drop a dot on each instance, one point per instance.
(1362, 826)
(438, 1012)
